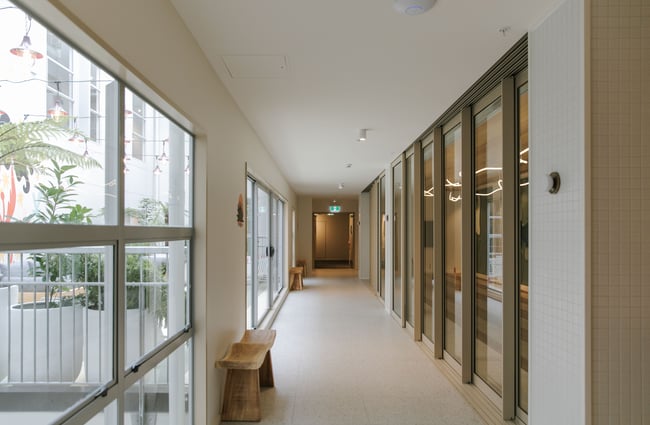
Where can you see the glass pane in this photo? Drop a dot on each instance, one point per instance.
(249, 254)
(273, 250)
(157, 297)
(523, 246)
(263, 236)
(488, 245)
(382, 237)
(409, 216)
(163, 395)
(279, 244)
(56, 329)
(52, 170)
(453, 233)
(108, 416)
(428, 252)
(397, 235)
(157, 167)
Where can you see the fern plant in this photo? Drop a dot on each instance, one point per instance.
(25, 145)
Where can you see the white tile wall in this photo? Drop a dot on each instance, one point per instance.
(620, 128)
(557, 391)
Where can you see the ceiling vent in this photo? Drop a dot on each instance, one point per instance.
(413, 7)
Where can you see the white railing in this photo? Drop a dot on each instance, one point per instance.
(56, 323)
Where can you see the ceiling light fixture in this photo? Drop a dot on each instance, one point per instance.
(363, 135)
(413, 7)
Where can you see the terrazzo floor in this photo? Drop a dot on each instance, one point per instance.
(340, 359)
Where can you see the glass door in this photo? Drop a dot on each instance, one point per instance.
(488, 245)
(428, 251)
(382, 237)
(264, 251)
(409, 217)
(453, 243)
(263, 254)
(397, 239)
(251, 260)
(522, 266)
(277, 246)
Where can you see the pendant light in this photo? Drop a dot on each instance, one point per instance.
(57, 113)
(157, 170)
(77, 136)
(163, 156)
(24, 50)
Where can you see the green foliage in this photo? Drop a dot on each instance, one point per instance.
(25, 145)
(57, 198)
(150, 212)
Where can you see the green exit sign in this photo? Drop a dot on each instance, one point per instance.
(335, 208)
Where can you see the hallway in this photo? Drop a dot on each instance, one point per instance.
(339, 358)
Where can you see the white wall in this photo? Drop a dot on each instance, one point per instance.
(558, 319)
(363, 222)
(304, 234)
(155, 44)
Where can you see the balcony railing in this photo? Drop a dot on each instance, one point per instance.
(56, 313)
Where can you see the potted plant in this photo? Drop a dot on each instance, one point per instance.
(47, 335)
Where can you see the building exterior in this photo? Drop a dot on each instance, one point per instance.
(585, 83)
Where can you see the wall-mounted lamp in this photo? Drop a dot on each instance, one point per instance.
(553, 182)
(341, 186)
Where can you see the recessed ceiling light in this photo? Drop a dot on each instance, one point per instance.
(413, 7)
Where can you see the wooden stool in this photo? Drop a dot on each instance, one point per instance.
(249, 367)
(295, 278)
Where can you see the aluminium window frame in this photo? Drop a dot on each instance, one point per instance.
(24, 236)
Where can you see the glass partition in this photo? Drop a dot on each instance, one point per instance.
(453, 243)
(428, 242)
(488, 245)
(409, 217)
(382, 236)
(397, 239)
(524, 159)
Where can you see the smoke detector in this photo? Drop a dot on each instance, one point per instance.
(413, 7)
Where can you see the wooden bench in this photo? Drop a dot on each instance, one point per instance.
(249, 367)
(295, 278)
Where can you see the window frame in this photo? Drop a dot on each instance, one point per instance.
(27, 236)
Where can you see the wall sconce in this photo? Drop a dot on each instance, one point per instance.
(553, 182)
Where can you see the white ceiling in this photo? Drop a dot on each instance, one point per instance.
(310, 74)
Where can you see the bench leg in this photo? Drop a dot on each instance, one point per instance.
(266, 371)
(241, 398)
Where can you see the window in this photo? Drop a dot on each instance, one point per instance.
(73, 276)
